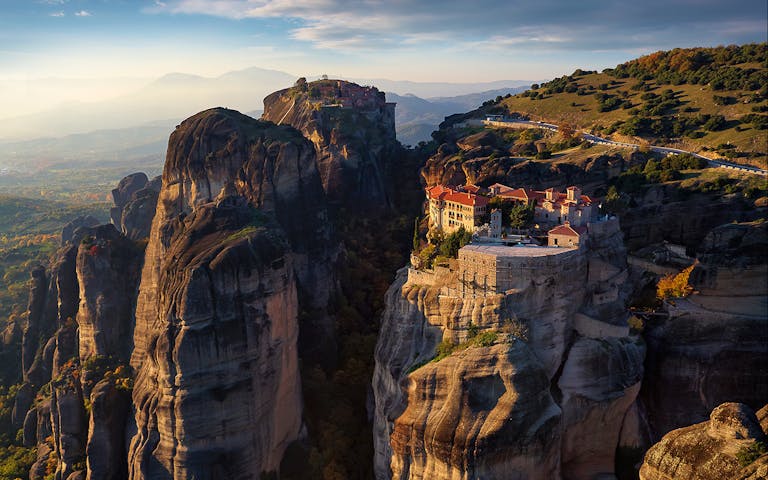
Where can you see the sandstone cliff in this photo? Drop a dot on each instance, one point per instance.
(712, 347)
(488, 157)
(710, 450)
(240, 230)
(537, 370)
(353, 130)
(108, 266)
(79, 320)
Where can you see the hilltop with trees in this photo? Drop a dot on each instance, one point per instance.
(701, 99)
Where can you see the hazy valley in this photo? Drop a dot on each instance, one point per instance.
(389, 281)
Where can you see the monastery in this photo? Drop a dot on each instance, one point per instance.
(551, 205)
(451, 209)
(490, 264)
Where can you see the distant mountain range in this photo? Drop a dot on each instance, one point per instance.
(137, 125)
(416, 118)
(171, 96)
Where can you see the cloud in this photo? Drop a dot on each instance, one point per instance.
(83, 13)
(57, 14)
(497, 24)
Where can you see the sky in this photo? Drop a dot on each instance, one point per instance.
(103, 47)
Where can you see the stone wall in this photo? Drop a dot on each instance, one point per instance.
(489, 273)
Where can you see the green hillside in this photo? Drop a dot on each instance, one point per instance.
(29, 234)
(701, 99)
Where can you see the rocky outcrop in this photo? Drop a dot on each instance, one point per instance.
(138, 212)
(483, 413)
(68, 233)
(36, 321)
(110, 408)
(711, 349)
(709, 450)
(537, 370)
(135, 201)
(69, 423)
(488, 157)
(108, 266)
(124, 192)
(665, 213)
(353, 130)
(240, 230)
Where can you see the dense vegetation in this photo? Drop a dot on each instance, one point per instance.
(723, 68)
(689, 175)
(15, 459)
(336, 391)
(696, 98)
(335, 396)
(29, 235)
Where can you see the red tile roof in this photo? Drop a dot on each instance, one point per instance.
(568, 230)
(522, 194)
(525, 194)
(439, 192)
(471, 188)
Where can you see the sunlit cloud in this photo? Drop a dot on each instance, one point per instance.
(490, 24)
(83, 13)
(57, 14)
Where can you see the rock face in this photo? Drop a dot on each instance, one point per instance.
(139, 211)
(124, 192)
(135, 201)
(542, 367)
(664, 216)
(708, 450)
(110, 409)
(712, 349)
(240, 228)
(108, 266)
(36, 321)
(68, 232)
(487, 413)
(487, 157)
(353, 130)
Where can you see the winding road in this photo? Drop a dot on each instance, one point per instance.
(718, 163)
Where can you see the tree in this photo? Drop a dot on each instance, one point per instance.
(416, 238)
(613, 202)
(450, 246)
(498, 203)
(675, 286)
(521, 215)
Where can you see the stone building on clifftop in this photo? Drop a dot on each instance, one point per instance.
(551, 206)
(450, 209)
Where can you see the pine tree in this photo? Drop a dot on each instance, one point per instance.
(416, 239)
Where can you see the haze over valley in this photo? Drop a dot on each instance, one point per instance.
(383, 240)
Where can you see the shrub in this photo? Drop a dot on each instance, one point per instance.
(485, 339)
(450, 246)
(675, 286)
(444, 349)
(747, 455)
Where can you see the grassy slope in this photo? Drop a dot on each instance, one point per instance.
(559, 108)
